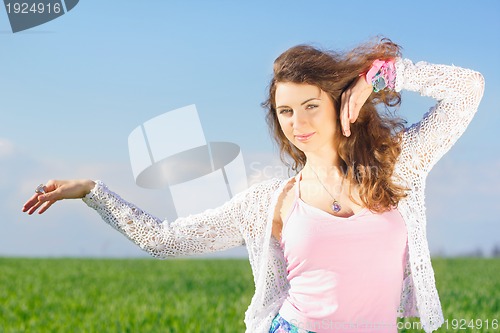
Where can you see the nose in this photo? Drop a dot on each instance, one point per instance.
(299, 119)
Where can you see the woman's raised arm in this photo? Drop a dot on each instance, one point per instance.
(458, 92)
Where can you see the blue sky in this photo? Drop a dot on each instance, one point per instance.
(74, 88)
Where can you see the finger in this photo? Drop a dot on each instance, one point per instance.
(353, 111)
(51, 186)
(53, 195)
(343, 110)
(343, 103)
(34, 207)
(344, 117)
(31, 201)
(35, 198)
(46, 206)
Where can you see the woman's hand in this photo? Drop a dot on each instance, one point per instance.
(352, 99)
(57, 190)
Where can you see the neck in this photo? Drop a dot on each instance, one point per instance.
(324, 167)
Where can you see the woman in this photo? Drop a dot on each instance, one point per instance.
(340, 246)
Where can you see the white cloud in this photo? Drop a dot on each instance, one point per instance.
(6, 148)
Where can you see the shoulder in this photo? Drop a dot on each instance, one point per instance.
(260, 193)
(272, 183)
(267, 187)
(256, 201)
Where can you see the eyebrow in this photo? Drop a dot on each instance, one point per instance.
(304, 102)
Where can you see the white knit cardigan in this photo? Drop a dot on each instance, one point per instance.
(247, 217)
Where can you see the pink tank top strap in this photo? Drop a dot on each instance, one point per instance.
(298, 177)
(296, 197)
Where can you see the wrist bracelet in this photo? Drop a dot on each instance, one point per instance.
(382, 75)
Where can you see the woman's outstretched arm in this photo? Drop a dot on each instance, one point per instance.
(213, 230)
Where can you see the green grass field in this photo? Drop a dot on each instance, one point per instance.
(141, 295)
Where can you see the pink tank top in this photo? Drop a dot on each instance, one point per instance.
(345, 274)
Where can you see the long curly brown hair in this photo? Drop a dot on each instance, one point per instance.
(369, 154)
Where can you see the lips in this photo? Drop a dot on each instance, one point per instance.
(304, 137)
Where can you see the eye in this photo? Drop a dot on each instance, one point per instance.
(285, 111)
(311, 106)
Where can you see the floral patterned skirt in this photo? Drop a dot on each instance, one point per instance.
(280, 325)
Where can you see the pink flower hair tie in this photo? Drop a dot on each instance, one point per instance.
(382, 75)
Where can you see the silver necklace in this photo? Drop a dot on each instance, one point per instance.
(336, 207)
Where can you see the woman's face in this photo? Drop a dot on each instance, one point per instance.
(307, 117)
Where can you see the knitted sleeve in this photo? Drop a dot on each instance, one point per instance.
(213, 230)
(458, 92)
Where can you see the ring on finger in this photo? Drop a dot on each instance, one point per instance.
(40, 189)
